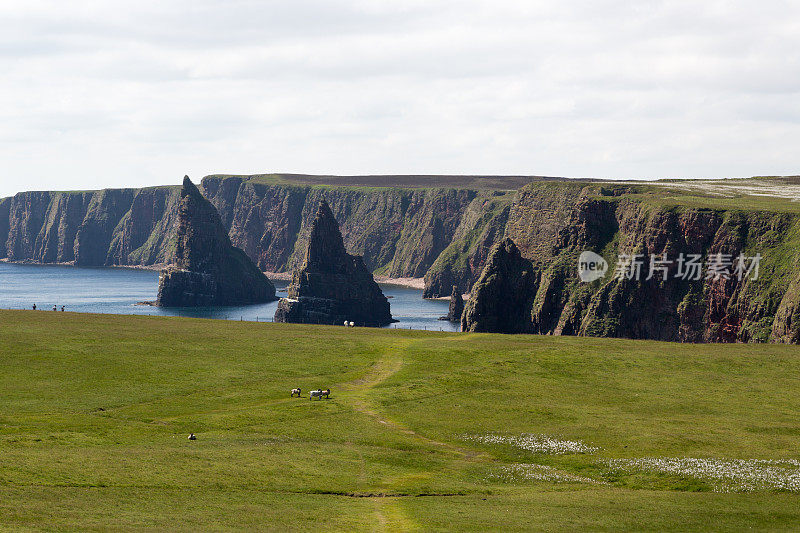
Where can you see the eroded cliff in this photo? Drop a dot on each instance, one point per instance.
(95, 228)
(620, 221)
(445, 233)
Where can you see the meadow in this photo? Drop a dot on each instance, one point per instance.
(423, 431)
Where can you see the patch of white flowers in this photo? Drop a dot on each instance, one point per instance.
(533, 472)
(535, 443)
(731, 475)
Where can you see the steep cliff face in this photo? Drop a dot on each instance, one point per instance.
(399, 232)
(208, 270)
(332, 286)
(26, 218)
(614, 224)
(55, 242)
(97, 228)
(144, 234)
(502, 297)
(460, 263)
(5, 210)
(106, 209)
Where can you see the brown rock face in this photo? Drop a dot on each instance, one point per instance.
(332, 286)
(208, 270)
(502, 297)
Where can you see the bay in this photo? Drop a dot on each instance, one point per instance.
(118, 290)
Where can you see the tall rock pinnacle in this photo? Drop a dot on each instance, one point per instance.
(208, 269)
(502, 298)
(332, 286)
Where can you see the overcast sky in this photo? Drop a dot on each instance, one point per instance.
(111, 94)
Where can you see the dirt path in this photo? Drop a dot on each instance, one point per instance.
(360, 399)
(359, 394)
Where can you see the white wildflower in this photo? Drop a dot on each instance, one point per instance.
(731, 475)
(535, 443)
(534, 472)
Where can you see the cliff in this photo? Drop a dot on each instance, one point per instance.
(332, 286)
(445, 231)
(95, 228)
(207, 269)
(503, 295)
(552, 225)
(400, 232)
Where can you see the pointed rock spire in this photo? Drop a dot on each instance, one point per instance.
(332, 286)
(456, 308)
(208, 269)
(502, 298)
(325, 241)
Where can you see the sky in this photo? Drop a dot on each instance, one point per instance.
(98, 94)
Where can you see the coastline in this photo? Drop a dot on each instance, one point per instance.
(411, 283)
(156, 267)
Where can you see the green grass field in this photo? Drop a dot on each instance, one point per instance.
(423, 430)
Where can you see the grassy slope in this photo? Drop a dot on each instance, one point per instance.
(96, 409)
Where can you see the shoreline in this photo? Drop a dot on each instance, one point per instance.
(411, 283)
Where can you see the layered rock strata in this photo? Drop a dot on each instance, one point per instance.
(503, 295)
(208, 269)
(332, 286)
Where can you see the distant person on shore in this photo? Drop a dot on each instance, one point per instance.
(55, 308)
(62, 308)
(34, 307)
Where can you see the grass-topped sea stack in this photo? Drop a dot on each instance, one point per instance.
(332, 286)
(208, 269)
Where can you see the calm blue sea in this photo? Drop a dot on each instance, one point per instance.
(117, 290)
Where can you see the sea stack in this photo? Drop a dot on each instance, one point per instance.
(332, 286)
(208, 269)
(502, 298)
(456, 308)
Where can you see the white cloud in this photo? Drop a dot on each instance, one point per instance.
(101, 94)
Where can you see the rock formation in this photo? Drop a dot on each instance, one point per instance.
(208, 270)
(456, 308)
(502, 297)
(331, 286)
(446, 230)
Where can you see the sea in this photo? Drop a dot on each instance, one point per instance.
(121, 291)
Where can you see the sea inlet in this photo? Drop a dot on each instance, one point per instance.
(120, 290)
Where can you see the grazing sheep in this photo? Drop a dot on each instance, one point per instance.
(315, 394)
(352, 324)
(297, 391)
(326, 393)
(192, 437)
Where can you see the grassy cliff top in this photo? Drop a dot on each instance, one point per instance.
(402, 181)
(761, 193)
(780, 194)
